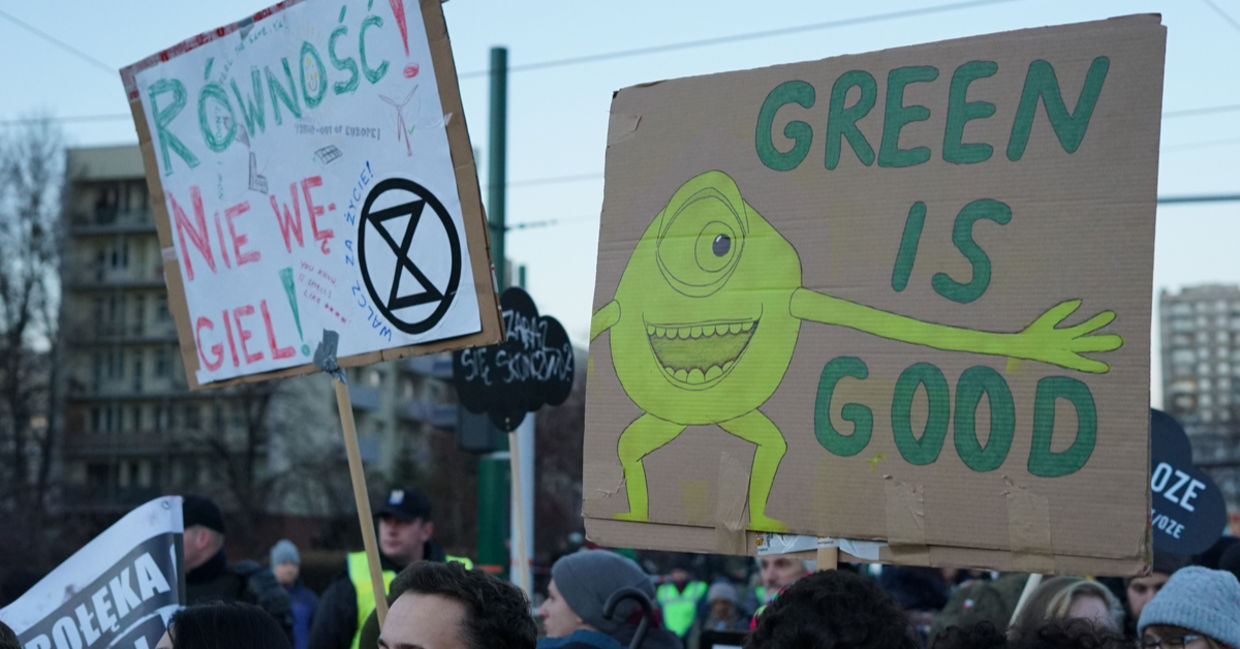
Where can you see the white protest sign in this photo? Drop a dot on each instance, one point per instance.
(310, 170)
(119, 590)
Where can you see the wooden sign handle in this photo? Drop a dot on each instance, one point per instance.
(364, 517)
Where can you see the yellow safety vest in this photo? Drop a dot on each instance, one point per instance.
(680, 607)
(359, 574)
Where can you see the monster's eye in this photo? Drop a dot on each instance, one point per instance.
(713, 248)
(701, 243)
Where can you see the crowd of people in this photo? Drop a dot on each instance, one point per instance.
(599, 599)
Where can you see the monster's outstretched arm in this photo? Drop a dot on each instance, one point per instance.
(1040, 341)
(604, 319)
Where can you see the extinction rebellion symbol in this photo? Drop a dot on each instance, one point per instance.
(414, 266)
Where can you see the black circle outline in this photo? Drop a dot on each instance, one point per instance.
(454, 242)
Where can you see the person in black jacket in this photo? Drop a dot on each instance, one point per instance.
(210, 578)
(405, 530)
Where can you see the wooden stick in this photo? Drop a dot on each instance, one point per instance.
(1031, 585)
(518, 513)
(828, 557)
(364, 517)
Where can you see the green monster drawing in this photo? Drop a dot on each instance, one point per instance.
(705, 320)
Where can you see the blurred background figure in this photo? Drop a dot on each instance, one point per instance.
(679, 597)
(722, 613)
(1068, 597)
(286, 564)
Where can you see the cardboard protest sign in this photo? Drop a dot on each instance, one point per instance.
(1188, 513)
(310, 169)
(901, 296)
(532, 367)
(119, 590)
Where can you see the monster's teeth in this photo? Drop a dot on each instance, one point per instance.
(735, 327)
(728, 365)
(682, 375)
(669, 370)
(683, 332)
(696, 376)
(721, 329)
(695, 332)
(659, 331)
(713, 373)
(650, 330)
(747, 326)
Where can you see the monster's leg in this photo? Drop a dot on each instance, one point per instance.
(755, 427)
(642, 437)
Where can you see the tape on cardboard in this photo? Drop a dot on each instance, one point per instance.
(621, 128)
(731, 496)
(906, 523)
(169, 253)
(1029, 530)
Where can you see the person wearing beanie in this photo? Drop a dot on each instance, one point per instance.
(1197, 608)
(208, 575)
(722, 613)
(581, 584)
(286, 564)
(1138, 591)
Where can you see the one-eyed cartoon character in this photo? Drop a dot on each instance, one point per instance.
(705, 320)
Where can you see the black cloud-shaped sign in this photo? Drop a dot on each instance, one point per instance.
(1188, 511)
(533, 366)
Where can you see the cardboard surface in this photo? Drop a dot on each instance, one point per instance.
(310, 169)
(914, 287)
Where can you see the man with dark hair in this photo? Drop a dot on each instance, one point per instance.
(209, 577)
(833, 609)
(405, 537)
(445, 606)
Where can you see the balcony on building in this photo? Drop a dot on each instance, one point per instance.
(437, 366)
(364, 397)
(438, 415)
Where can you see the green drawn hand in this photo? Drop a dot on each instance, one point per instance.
(1045, 341)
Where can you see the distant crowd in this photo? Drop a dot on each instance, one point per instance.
(600, 599)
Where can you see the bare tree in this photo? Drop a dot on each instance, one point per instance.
(32, 172)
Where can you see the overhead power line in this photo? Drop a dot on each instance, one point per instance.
(719, 40)
(1219, 10)
(57, 42)
(107, 117)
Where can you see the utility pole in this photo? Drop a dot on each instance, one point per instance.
(493, 468)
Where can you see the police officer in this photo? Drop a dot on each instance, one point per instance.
(405, 531)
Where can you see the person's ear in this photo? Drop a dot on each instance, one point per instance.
(429, 529)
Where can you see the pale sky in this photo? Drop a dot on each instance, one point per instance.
(558, 113)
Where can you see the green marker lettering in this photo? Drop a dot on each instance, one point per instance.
(842, 122)
(280, 94)
(788, 92)
(861, 416)
(164, 117)
(897, 116)
(973, 383)
(348, 64)
(962, 236)
(1042, 460)
(1041, 83)
(372, 75)
(959, 112)
(926, 449)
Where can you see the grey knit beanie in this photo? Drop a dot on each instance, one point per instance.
(284, 552)
(587, 578)
(1204, 600)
